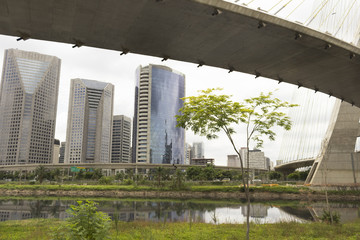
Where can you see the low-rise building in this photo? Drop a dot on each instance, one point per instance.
(202, 161)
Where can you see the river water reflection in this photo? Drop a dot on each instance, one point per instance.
(174, 211)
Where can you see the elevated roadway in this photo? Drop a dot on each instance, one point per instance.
(291, 166)
(111, 166)
(205, 32)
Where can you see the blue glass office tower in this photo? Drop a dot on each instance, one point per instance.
(158, 94)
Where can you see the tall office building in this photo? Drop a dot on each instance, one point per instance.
(256, 158)
(28, 102)
(233, 161)
(89, 126)
(197, 150)
(121, 139)
(156, 138)
(187, 154)
(56, 152)
(62, 152)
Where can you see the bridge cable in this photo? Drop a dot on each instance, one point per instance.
(249, 2)
(313, 13)
(330, 13)
(295, 9)
(322, 5)
(326, 120)
(310, 130)
(285, 149)
(345, 17)
(302, 128)
(290, 142)
(283, 7)
(275, 5)
(305, 128)
(318, 128)
(350, 25)
(295, 136)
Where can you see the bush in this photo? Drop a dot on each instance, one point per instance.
(178, 180)
(128, 182)
(326, 217)
(86, 223)
(106, 180)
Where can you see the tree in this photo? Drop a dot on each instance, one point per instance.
(120, 176)
(178, 180)
(293, 176)
(193, 173)
(304, 174)
(56, 174)
(41, 173)
(97, 174)
(273, 175)
(208, 114)
(159, 173)
(80, 175)
(208, 173)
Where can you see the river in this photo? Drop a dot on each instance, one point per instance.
(216, 212)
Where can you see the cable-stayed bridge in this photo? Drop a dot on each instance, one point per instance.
(336, 18)
(312, 45)
(303, 143)
(331, 154)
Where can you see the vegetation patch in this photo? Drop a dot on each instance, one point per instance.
(36, 229)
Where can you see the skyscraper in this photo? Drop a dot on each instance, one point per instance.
(28, 102)
(89, 126)
(62, 152)
(256, 158)
(187, 154)
(197, 150)
(121, 136)
(156, 138)
(56, 151)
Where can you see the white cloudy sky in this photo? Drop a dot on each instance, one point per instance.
(109, 66)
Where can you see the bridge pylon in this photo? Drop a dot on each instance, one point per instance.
(338, 163)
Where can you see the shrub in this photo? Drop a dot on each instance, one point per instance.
(86, 223)
(128, 182)
(327, 215)
(106, 180)
(178, 180)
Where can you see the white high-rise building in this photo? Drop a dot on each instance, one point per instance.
(233, 161)
(197, 150)
(121, 139)
(56, 154)
(89, 126)
(188, 154)
(28, 103)
(256, 158)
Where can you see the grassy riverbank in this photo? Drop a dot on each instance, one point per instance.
(37, 229)
(259, 193)
(206, 188)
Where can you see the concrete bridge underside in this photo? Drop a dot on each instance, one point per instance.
(289, 167)
(205, 32)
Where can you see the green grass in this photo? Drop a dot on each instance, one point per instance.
(38, 229)
(77, 187)
(192, 188)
